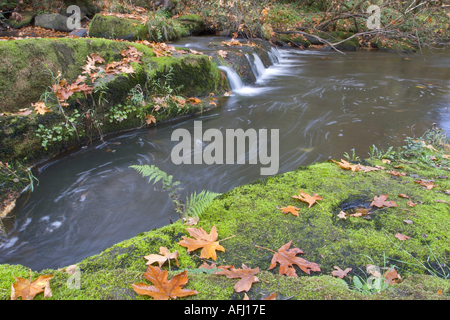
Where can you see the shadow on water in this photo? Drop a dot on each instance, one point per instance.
(322, 103)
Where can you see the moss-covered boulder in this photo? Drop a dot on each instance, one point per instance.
(28, 19)
(250, 219)
(193, 23)
(391, 45)
(111, 27)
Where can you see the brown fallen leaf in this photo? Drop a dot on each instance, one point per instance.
(369, 168)
(411, 204)
(402, 195)
(222, 53)
(290, 209)
(342, 215)
(191, 221)
(307, 198)
(428, 185)
(381, 201)
(396, 173)
(149, 119)
(402, 237)
(163, 289)
(360, 212)
(165, 255)
(391, 276)
(203, 240)
(340, 273)
(347, 166)
(246, 274)
(442, 201)
(408, 221)
(40, 108)
(287, 259)
(23, 288)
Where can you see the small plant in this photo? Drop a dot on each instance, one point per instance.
(354, 157)
(195, 204)
(381, 154)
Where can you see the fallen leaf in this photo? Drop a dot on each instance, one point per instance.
(40, 108)
(246, 274)
(194, 101)
(402, 237)
(163, 289)
(443, 201)
(23, 288)
(25, 113)
(342, 215)
(203, 240)
(428, 185)
(391, 276)
(396, 173)
(287, 259)
(347, 166)
(360, 212)
(403, 195)
(307, 198)
(149, 119)
(408, 221)
(191, 221)
(411, 204)
(340, 273)
(368, 168)
(222, 53)
(386, 161)
(290, 209)
(381, 201)
(163, 256)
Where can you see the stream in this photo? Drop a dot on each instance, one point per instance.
(323, 104)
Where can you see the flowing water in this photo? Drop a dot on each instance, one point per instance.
(323, 103)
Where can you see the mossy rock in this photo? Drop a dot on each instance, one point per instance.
(250, 219)
(392, 46)
(26, 66)
(28, 19)
(193, 23)
(111, 27)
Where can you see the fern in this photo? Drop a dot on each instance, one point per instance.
(198, 203)
(195, 205)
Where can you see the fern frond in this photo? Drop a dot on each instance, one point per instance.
(153, 172)
(196, 204)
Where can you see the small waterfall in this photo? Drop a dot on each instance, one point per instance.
(233, 78)
(259, 66)
(275, 53)
(256, 65)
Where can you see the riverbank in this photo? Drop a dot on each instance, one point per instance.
(250, 221)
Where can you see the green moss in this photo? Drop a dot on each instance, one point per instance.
(111, 27)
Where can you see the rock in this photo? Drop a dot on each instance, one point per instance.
(28, 19)
(87, 7)
(193, 23)
(111, 27)
(55, 21)
(79, 33)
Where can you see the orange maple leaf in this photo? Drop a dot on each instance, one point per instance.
(203, 240)
(40, 108)
(287, 258)
(246, 274)
(402, 237)
(149, 119)
(290, 209)
(23, 288)
(340, 273)
(307, 198)
(428, 185)
(381, 201)
(347, 166)
(163, 289)
(165, 255)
